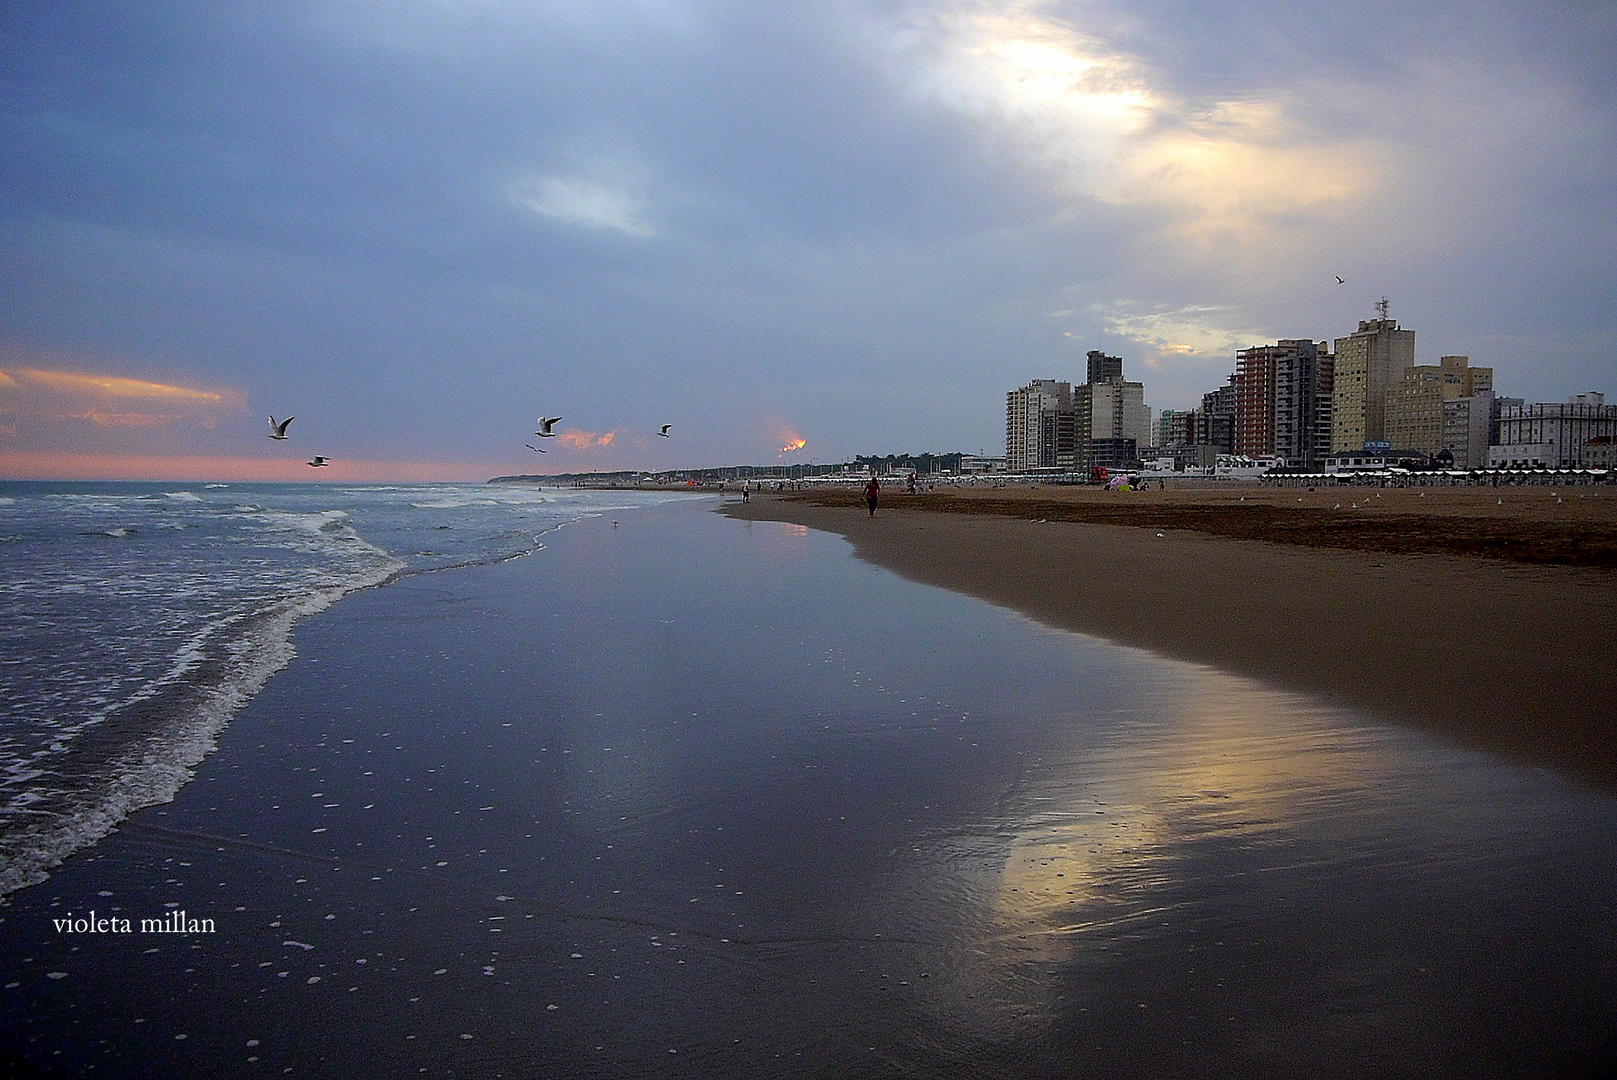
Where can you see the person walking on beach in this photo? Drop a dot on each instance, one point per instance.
(872, 489)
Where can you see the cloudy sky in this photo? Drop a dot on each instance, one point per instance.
(417, 225)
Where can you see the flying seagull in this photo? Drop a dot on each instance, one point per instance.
(530, 446)
(320, 462)
(278, 431)
(1339, 280)
(545, 425)
(664, 431)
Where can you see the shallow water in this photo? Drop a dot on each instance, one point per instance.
(682, 795)
(135, 618)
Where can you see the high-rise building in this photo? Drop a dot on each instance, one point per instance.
(1113, 422)
(1103, 368)
(1466, 423)
(1283, 401)
(1053, 425)
(1416, 408)
(1368, 361)
(1218, 419)
(1304, 384)
(1040, 430)
(1175, 428)
(1254, 382)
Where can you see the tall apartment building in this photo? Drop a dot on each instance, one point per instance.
(1368, 361)
(1217, 428)
(1111, 415)
(1254, 382)
(1174, 428)
(1040, 427)
(1103, 368)
(1283, 401)
(1415, 407)
(1552, 435)
(1467, 422)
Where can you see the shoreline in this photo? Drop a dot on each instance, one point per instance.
(1505, 656)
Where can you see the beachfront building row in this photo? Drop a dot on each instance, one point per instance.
(1309, 403)
(1312, 405)
(1283, 404)
(1054, 425)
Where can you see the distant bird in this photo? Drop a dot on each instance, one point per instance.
(1339, 280)
(530, 446)
(320, 462)
(664, 431)
(545, 424)
(1338, 506)
(278, 430)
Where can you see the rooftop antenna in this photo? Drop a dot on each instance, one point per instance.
(1381, 307)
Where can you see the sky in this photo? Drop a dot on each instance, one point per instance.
(417, 226)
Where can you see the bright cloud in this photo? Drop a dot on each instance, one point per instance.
(1195, 330)
(576, 200)
(111, 400)
(1101, 121)
(584, 440)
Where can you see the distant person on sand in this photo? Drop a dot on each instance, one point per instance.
(872, 489)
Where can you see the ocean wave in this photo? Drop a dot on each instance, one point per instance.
(454, 504)
(166, 729)
(134, 656)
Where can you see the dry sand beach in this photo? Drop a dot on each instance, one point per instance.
(1486, 616)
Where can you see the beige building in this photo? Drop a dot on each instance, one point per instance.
(1414, 408)
(1467, 424)
(1108, 412)
(1039, 426)
(1368, 362)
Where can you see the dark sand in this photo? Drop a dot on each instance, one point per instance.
(1486, 616)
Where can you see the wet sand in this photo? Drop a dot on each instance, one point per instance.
(1386, 607)
(680, 796)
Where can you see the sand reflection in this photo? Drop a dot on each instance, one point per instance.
(1105, 843)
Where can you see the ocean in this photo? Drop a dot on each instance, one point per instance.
(667, 794)
(136, 618)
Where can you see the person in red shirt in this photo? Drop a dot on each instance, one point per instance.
(872, 489)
